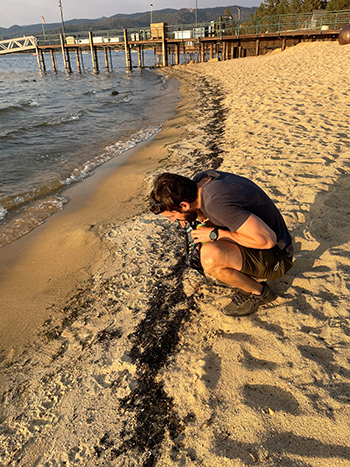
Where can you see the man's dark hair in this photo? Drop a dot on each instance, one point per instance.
(170, 190)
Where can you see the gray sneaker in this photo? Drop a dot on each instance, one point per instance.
(243, 305)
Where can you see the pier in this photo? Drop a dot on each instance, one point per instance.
(172, 45)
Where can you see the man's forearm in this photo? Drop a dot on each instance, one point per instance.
(259, 242)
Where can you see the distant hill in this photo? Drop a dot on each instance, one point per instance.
(135, 20)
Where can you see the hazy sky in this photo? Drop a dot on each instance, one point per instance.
(24, 12)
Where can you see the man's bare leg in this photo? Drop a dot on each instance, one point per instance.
(223, 260)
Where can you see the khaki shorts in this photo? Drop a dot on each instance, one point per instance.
(264, 264)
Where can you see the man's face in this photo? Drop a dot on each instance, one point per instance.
(181, 216)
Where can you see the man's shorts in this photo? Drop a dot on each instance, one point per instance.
(264, 264)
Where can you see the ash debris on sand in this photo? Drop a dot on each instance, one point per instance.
(94, 371)
(201, 147)
(154, 341)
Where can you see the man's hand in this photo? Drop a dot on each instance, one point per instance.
(254, 233)
(201, 234)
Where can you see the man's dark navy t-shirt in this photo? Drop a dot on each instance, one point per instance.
(227, 200)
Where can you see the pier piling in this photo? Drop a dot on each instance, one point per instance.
(110, 59)
(65, 56)
(53, 60)
(41, 63)
(127, 51)
(78, 60)
(139, 54)
(164, 46)
(106, 58)
(93, 54)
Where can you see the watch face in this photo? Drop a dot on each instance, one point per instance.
(213, 235)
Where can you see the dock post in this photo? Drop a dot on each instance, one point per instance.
(127, 51)
(139, 50)
(223, 50)
(93, 53)
(283, 44)
(53, 59)
(110, 58)
(68, 61)
(164, 47)
(202, 52)
(42, 60)
(39, 61)
(106, 58)
(78, 60)
(177, 54)
(64, 55)
(257, 47)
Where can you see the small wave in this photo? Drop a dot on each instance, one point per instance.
(55, 121)
(11, 108)
(30, 217)
(63, 119)
(112, 151)
(33, 104)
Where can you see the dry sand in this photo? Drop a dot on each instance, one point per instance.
(139, 368)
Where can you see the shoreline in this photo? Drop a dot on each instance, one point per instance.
(139, 368)
(75, 230)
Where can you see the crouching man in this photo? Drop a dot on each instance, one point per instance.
(244, 236)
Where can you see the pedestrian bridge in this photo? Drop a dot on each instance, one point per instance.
(18, 45)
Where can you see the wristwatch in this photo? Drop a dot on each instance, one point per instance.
(214, 234)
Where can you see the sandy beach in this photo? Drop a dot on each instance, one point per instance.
(115, 353)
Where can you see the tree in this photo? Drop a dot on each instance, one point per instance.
(338, 5)
(311, 5)
(228, 13)
(296, 6)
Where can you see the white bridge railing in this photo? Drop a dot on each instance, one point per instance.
(18, 45)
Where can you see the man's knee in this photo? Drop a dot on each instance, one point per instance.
(218, 255)
(209, 257)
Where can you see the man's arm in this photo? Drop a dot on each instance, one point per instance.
(253, 233)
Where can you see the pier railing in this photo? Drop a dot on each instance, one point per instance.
(320, 21)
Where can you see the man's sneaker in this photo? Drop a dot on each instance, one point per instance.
(243, 305)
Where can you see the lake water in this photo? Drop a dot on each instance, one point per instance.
(56, 128)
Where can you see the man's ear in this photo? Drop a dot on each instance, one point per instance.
(185, 206)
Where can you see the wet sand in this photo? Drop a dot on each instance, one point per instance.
(138, 366)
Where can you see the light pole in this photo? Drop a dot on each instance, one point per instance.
(196, 14)
(239, 13)
(151, 5)
(61, 8)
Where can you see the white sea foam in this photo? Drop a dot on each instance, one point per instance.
(65, 118)
(111, 151)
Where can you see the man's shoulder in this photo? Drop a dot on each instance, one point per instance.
(213, 174)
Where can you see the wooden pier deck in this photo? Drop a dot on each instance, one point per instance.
(173, 46)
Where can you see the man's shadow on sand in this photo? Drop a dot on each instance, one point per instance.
(326, 229)
(327, 225)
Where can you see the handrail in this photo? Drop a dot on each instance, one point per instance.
(314, 21)
(319, 21)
